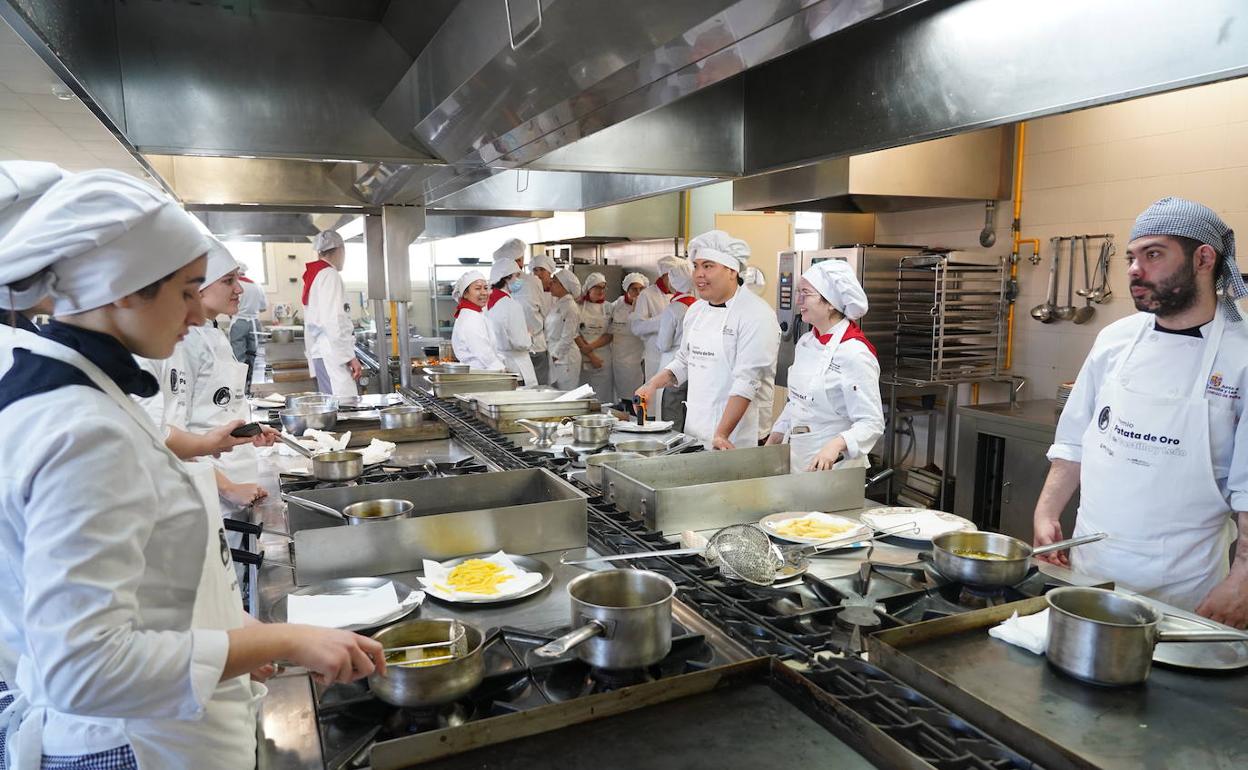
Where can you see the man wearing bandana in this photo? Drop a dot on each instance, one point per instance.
(1153, 435)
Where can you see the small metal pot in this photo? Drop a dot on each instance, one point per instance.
(646, 447)
(594, 465)
(337, 466)
(369, 511)
(421, 686)
(282, 336)
(400, 417)
(299, 418)
(991, 573)
(592, 430)
(625, 619)
(1107, 638)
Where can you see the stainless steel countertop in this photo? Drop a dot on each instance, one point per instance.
(1041, 412)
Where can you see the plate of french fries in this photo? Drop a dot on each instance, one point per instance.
(807, 527)
(485, 579)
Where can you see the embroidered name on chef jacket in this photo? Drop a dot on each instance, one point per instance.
(1216, 387)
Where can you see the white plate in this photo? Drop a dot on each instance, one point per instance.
(931, 523)
(651, 426)
(525, 563)
(772, 522)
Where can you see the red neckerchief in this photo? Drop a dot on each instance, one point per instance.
(495, 296)
(685, 299)
(852, 332)
(466, 305)
(628, 300)
(662, 284)
(586, 298)
(245, 279)
(310, 271)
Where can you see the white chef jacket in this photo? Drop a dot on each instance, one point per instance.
(511, 337)
(563, 324)
(470, 339)
(168, 408)
(627, 349)
(106, 570)
(215, 396)
(536, 303)
(671, 327)
(644, 323)
(1163, 363)
(327, 330)
(252, 303)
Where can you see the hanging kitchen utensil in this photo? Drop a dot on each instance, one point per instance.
(1067, 312)
(1085, 313)
(988, 235)
(1103, 292)
(1044, 311)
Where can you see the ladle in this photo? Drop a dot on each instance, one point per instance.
(1085, 313)
(1067, 312)
(1044, 311)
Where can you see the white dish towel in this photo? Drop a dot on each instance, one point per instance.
(1031, 632)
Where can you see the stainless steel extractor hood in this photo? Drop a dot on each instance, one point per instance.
(974, 166)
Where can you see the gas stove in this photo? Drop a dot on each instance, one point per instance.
(379, 474)
(352, 719)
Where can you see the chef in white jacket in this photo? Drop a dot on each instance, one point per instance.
(728, 354)
(755, 281)
(650, 303)
(21, 184)
(505, 317)
(328, 335)
(470, 338)
(833, 416)
(627, 349)
(1154, 434)
(563, 326)
(530, 293)
(671, 333)
(595, 339)
(117, 592)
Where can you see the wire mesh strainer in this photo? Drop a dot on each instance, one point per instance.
(744, 551)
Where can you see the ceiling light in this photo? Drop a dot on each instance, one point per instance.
(63, 93)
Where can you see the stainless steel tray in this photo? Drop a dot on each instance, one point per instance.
(501, 410)
(705, 490)
(452, 388)
(433, 375)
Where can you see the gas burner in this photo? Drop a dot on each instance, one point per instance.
(614, 679)
(409, 721)
(855, 618)
(979, 597)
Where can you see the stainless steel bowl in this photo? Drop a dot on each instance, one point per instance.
(369, 511)
(282, 336)
(399, 417)
(291, 398)
(317, 400)
(413, 686)
(294, 421)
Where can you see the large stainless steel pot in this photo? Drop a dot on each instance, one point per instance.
(400, 417)
(1107, 638)
(624, 618)
(1009, 569)
(595, 463)
(592, 430)
(420, 686)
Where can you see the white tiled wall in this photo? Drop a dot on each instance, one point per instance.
(1093, 172)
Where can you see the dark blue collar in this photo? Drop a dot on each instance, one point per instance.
(32, 374)
(19, 320)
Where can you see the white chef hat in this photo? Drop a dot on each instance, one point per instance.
(594, 279)
(834, 279)
(466, 280)
(680, 277)
(220, 261)
(633, 278)
(502, 268)
(667, 263)
(542, 260)
(569, 281)
(96, 237)
(326, 240)
(719, 246)
(753, 278)
(21, 183)
(512, 249)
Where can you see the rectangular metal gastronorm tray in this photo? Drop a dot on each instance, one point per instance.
(1176, 719)
(501, 410)
(447, 388)
(521, 512)
(749, 715)
(713, 489)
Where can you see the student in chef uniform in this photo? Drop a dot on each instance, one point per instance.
(245, 327)
(627, 350)
(328, 335)
(671, 327)
(21, 184)
(645, 318)
(755, 282)
(728, 354)
(470, 338)
(563, 326)
(505, 317)
(595, 339)
(529, 292)
(1154, 434)
(118, 595)
(833, 416)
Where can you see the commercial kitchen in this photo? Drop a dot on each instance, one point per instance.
(563, 576)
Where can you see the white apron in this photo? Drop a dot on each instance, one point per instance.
(627, 352)
(710, 380)
(226, 731)
(594, 323)
(815, 421)
(518, 362)
(1147, 481)
(219, 397)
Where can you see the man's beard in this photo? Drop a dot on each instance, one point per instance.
(1172, 296)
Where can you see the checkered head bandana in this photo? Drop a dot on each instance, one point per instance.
(1188, 219)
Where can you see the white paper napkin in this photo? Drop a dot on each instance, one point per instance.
(377, 451)
(1031, 632)
(436, 576)
(577, 394)
(350, 610)
(327, 442)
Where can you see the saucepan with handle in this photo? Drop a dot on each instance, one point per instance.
(623, 619)
(1107, 638)
(989, 559)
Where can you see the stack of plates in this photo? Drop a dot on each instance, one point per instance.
(1063, 393)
